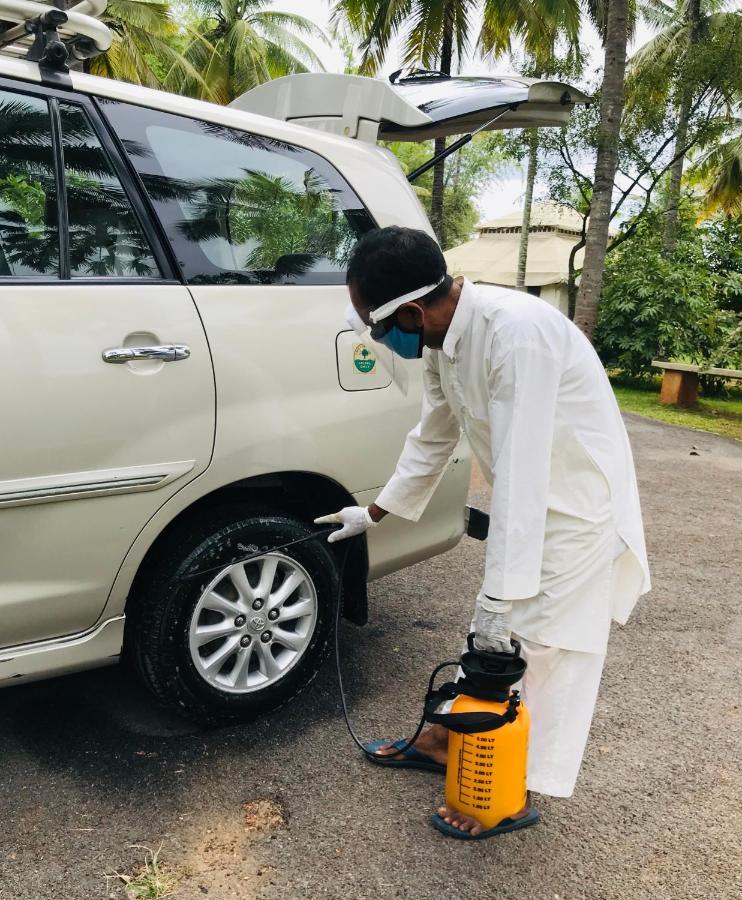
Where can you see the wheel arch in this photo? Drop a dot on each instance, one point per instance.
(304, 495)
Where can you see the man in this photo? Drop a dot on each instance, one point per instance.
(565, 549)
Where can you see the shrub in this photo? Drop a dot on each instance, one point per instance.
(657, 307)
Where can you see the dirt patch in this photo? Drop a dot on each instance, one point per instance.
(216, 856)
(219, 857)
(263, 815)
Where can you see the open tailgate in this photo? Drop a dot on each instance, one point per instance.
(412, 107)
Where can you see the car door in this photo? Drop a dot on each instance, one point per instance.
(107, 391)
(264, 229)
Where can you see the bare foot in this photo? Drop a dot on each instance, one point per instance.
(469, 823)
(433, 742)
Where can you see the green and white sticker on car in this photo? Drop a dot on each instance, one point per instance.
(364, 359)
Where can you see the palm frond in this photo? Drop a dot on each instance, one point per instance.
(658, 13)
(295, 50)
(293, 22)
(719, 173)
(280, 62)
(150, 15)
(375, 23)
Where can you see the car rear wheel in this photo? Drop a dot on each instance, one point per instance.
(222, 640)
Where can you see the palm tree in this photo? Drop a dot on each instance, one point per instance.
(241, 43)
(570, 66)
(439, 33)
(525, 225)
(688, 28)
(718, 171)
(611, 110)
(143, 50)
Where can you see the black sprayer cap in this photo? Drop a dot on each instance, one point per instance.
(489, 675)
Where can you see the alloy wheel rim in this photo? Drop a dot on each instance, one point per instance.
(253, 623)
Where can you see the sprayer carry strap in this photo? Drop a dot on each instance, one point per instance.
(471, 722)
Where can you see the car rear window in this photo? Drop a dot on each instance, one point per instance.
(240, 207)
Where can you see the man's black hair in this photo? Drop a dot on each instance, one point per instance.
(391, 261)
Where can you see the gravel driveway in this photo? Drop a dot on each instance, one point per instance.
(286, 809)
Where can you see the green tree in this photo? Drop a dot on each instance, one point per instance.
(237, 44)
(467, 175)
(645, 153)
(527, 143)
(659, 306)
(718, 172)
(722, 244)
(439, 33)
(681, 61)
(144, 48)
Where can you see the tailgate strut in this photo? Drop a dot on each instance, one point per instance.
(457, 145)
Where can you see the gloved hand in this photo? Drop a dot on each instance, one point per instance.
(354, 519)
(492, 627)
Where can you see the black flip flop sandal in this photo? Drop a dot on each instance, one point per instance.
(411, 759)
(532, 817)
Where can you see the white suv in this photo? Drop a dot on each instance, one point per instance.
(179, 386)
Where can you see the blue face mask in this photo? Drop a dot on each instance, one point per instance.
(407, 344)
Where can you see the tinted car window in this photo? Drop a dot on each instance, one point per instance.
(29, 232)
(105, 238)
(240, 207)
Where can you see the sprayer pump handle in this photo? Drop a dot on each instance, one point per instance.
(513, 643)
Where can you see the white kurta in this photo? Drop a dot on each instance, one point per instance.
(530, 393)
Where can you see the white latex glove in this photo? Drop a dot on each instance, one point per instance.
(492, 628)
(354, 519)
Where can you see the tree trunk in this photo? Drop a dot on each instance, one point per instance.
(436, 198)
(520, 278)
(672, 203)
(439, 170)
(572, 276)
(611, 109)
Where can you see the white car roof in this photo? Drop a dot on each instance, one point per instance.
(329, 145)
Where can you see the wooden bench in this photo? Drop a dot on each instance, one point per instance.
(680, 381)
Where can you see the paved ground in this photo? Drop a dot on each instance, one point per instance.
(89, 768)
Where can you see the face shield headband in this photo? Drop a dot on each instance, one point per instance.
(383, 312)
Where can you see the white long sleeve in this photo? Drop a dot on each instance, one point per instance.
(523, 387)
(426, 452)
(533, 398)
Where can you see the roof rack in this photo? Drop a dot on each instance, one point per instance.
(52, 36)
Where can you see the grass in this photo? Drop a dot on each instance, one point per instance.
(152, 882)
(717, 415)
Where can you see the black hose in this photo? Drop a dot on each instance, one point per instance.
(343, 559)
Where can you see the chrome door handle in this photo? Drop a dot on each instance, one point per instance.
(163, 353)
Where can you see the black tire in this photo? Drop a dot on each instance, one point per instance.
(160, 613)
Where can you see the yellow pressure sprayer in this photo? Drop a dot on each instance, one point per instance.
(488, 735)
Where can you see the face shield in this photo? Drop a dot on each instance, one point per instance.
(385, 330)
(385, 357)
